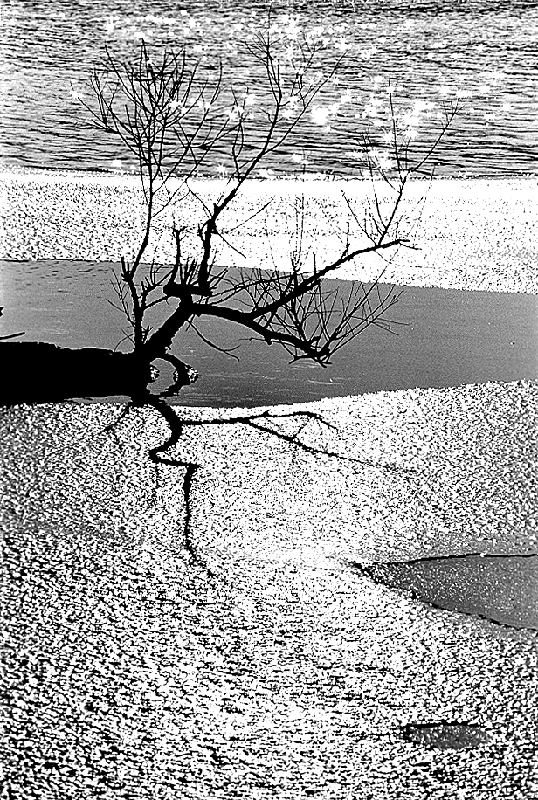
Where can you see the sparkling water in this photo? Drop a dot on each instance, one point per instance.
(481, 54)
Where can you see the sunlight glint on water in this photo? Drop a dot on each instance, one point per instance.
(481, 54)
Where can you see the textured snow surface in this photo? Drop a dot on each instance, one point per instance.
(471, 234)
(268, 667)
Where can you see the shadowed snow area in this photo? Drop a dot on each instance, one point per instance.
(256, 661)
(501, 588)
(445, 735)
(439, 337)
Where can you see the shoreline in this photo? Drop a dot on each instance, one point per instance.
(122, 178)
(317, 177)
(472, 233)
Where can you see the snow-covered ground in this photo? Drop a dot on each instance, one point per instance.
(270, 667)
(472, 234)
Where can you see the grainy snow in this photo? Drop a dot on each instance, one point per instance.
(472, 234)
(134, 673)
(282, 672)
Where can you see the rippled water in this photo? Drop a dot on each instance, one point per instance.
(482, 53)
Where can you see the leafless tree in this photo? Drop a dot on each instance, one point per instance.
(170, 115)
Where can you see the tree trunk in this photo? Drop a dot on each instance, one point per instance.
(159, 342)
(39, 372)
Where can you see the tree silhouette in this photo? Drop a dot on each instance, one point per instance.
(171, 115)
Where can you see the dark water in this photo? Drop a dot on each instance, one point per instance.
(482, 53)
(441, 337)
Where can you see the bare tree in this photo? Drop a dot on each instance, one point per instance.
(170, 115)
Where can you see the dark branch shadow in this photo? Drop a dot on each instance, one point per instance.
(175, 425)
(160, 454)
